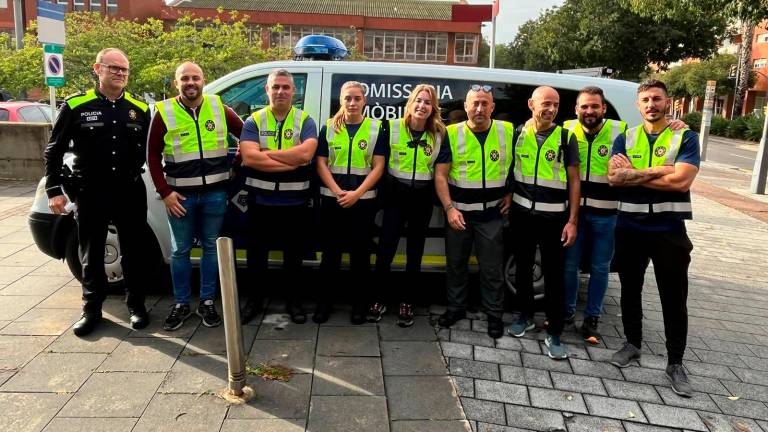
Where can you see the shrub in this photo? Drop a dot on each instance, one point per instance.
(719, 126)
(737, 128)
(693, 120)
(754, 130)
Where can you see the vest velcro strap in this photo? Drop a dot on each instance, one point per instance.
(327, 192)
(271, 186)
(197, 181)
(355, 171)
(409, 175)
(628, 207)
(676, 207)
(475, 206)
(476, 184)
(601, 204)
(186, 157)
(540, 206)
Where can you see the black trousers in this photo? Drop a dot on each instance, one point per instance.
(125, 205)
(407, 214)
(530, 230)
(671, 255)
(281, 228)
(347, 230)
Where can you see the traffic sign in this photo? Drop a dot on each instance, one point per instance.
(50, 22)
(53, 60)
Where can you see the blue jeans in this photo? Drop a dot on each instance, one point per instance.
(205, 214)
(595, 237)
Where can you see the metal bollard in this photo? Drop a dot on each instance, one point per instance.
(231, 309)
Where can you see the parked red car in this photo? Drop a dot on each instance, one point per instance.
(23, 111)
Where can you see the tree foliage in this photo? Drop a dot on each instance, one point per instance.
(690, 79)
(219, 45)
(584, 33)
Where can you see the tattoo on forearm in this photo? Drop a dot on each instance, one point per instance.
(631, 177)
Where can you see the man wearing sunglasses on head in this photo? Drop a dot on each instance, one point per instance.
(108, 128)
(470, 179)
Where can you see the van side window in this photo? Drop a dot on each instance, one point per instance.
(249, 96)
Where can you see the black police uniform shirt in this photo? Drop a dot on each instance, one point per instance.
(108, 139)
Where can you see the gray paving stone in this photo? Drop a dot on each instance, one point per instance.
(495, 355)
(66, 297)
(727, 347)
(699, 400)
(6, 375)
(708, 385)
(501, 392)
(104, 339)
(430, 426)
(279, 326)
(471, 338)
(595, 369)
(742, 407)
(759, 350)
(474, 369)
(197, 374)
(298, 355)
(483, 410)
(747, 391)
(265, 425)
(42, 322)
(531, 345)
(644, 375)
(578, 383)
(348, 341)
(54, 373)
(421, 330)
(488, 427)
(29, 412)
(673, 417)
(544, 362)
(710, 370)
(61, 424)
(457, 350)
(31, 285)
(750, 376)
(720, 358)
(534, 418)
(144, 355)
(600, 354)
(412, 358)
(525, 376)
(755, 362)
(510, 343)
(348, 414)
(583, 423)
(422, 398)
(631, 390)
(464, 386)
(155, 328)
(637, 427)
(724, 423)
(208, 340)
(175, 412)
(275, 399)
(621, 409)
(114, 394)
(18, 350)
(348, 376)
(653, 362)
(557, 400)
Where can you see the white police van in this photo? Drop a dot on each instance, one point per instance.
(388, 86)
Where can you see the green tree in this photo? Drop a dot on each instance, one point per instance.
(584, 33)
(22, 69)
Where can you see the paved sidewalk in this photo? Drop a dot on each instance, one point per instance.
(381, 377)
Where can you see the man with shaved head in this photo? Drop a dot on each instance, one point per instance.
(189, 133)
(545, 206)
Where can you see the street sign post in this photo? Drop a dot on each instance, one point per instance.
(760, 171)
(706, 117)
(53, 60)
(51, 33)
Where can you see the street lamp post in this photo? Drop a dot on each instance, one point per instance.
(18, 22)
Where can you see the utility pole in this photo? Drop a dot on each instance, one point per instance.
(18, 21)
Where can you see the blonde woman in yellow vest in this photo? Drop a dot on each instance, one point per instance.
(350, 160)
(408, 197)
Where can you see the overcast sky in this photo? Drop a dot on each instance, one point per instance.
(512, 14)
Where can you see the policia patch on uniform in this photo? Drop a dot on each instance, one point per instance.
(659, 151)
(288, 134)
(427, 150)
(550, 155)
(494, 155)
(210, 125)
(362, 145)
(602, 150)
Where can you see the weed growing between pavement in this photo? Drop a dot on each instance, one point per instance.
(270, 371)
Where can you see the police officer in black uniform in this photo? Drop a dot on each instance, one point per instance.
(108, 128)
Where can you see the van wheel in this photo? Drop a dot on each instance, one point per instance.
(510, 269)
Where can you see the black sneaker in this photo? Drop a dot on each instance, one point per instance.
(495, 327)
(679, 380)
(405, 316)
(623, 357)
(207, 311)
(296, 311)
(589, 330)
(450, 317)
(375, 312)
(175, 319)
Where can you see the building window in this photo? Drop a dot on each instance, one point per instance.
(291, 34)
(95, 5)
(761, 38)
(78, 5)
(112, 7)
(760, 63)
(465, 50)
(412, 46)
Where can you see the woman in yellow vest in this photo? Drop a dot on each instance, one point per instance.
(409, 198)
(351, 154)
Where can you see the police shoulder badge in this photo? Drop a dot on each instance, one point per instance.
(210, 125)
(602, 150)
(288, 133)
(494, 155)
(427, 150)
(363, 144)
(550, 155)
(132, 114)
(659, 151)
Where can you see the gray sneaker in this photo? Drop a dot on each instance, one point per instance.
(519, 328)
(679, 380)
(554, 349)
(623, 357)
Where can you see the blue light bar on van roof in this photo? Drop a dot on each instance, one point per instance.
(320, 47)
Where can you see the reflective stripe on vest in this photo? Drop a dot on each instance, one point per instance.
(197, 181)
(327, 192)
(401, 157)
(475, 206)
(273, 186)
(548, 207)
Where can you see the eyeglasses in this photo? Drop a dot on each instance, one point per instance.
(481, 87)
(417, 143)
(117, 69)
